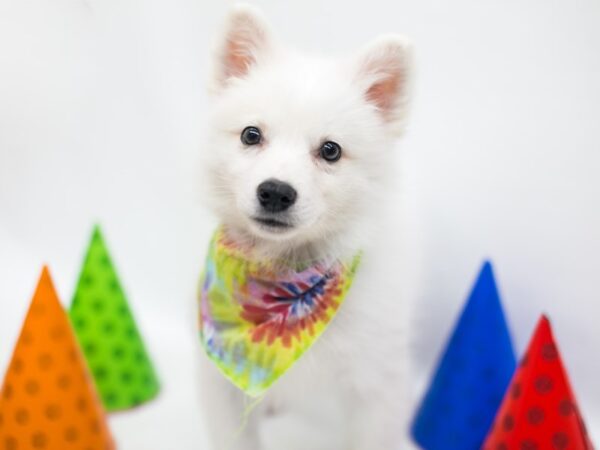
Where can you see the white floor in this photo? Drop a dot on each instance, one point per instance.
(174, 420)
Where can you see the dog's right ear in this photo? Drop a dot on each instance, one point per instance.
(245, 40)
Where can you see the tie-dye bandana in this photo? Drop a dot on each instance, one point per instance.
(258, 318)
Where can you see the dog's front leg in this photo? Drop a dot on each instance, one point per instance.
(375, 429)
(224, 408)
(380, 422)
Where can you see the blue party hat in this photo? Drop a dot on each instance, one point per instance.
(472, 376)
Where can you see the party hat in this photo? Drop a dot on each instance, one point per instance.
(539, 410)
(469, 383)
(48, 399)
(108, 334)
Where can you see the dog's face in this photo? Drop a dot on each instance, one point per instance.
(299, 146)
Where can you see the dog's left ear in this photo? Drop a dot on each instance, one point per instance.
(384, 75)
(245, 41)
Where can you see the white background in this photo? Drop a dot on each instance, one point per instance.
(102, 107)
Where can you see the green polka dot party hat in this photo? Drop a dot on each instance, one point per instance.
(108, 334)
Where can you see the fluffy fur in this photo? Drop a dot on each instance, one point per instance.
(346, 393)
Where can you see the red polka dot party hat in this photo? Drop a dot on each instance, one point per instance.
(539, 411)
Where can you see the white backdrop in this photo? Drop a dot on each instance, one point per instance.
(102, 105)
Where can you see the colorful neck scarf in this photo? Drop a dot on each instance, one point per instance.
(258, 318)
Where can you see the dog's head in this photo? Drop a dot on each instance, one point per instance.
(298, 146)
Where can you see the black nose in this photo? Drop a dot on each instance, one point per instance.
(275, 196)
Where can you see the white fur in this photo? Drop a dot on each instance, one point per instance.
(346, 392)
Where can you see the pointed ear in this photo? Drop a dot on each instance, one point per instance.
(244, 42)
(384, 75)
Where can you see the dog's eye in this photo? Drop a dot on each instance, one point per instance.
(330, 151)
(251, 136)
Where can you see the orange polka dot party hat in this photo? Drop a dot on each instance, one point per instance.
(48, 399)
(539, 411)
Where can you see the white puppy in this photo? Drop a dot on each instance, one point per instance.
(321, 131)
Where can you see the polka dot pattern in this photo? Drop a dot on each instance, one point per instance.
(540, 403)
(108, 333)
(45, 378)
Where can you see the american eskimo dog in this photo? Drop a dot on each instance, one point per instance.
(298, 163)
